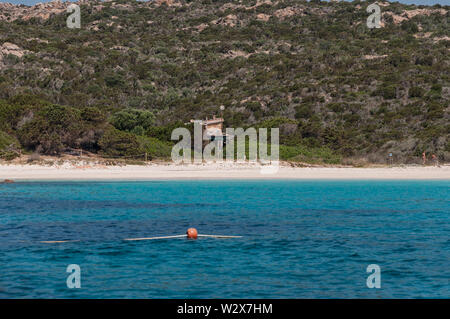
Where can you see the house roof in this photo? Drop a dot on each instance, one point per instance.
(213, 121)
(209, 122)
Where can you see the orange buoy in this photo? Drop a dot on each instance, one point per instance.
(192, 233)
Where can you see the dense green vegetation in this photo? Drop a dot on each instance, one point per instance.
(134, 71)
(8, 146)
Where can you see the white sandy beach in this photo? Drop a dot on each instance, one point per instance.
(69, 171)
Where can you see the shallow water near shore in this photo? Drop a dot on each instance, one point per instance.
(301, 239)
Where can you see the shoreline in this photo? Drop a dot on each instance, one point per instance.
(93, 172)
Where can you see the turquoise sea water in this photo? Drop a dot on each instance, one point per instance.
(302, 239)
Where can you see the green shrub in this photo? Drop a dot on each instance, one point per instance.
(9, 115)
(115, 81)
(437, 88)
(425, 60)
(9, 147)
(155, 148)
(387, 92)
(336, 107)
(416, 91)
(310, 155)
(53, 128)
(131, 119)
(435, 110)
(304, 111)
(119, 143)
(93, 115)
(409, 26)
(275, 122)
(164, 132)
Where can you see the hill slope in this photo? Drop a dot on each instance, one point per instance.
(313, 69)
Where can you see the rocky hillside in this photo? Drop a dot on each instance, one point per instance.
(314, 69)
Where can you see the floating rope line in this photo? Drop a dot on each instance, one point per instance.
(219, 236)
(181, 236)
(58, 241)
(162, 237)
(191, 234)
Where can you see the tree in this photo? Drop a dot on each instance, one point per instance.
(119, 143)
(52, 128)
(132, 119)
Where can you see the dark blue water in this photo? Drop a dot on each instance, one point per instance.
(302, 239)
